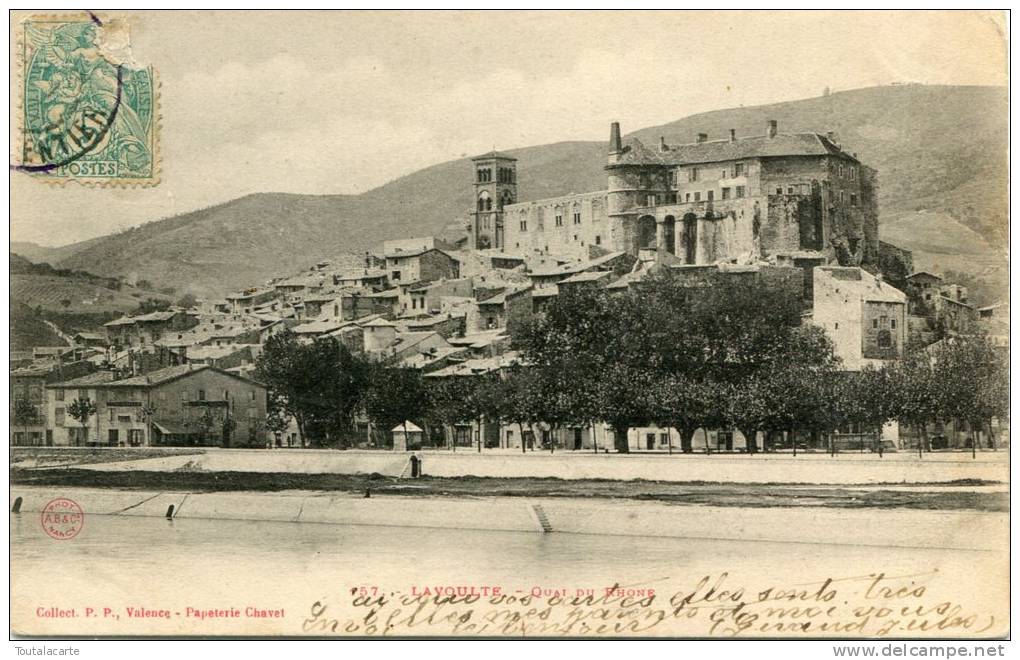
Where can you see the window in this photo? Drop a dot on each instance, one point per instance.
(725, 193)
(692, 175)
(853, 199)
(111, 414)
(884, 339)
(874, 323)
(738, 169)
(524, 225)
(697, 197)
(649, 200)
(598, 239)
(789, 190)
(711, 195)
(58, 416)
(577, 217)
(740, 191)
(60, 395)
(395, 275)
(201, 395)
(892, 324)
(687, 197)
(559, 219)
(673, 178)
(853, 173)
(779, 191)
(575, 238)
(841, 171)
(252, 393)
(837, 326)
(184, 396)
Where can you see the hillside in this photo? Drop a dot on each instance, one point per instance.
(28, 328)
(72, 300)
(73, 292)
(937, 149)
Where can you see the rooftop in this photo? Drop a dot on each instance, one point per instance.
(714, 151)
(476, 366)
(492, 155)
(586, 276)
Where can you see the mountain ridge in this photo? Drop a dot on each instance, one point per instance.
(951, 162)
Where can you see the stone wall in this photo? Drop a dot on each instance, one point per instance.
(888, 320)
(532, 227)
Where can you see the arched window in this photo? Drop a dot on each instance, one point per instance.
(484, 203)
(884, 339)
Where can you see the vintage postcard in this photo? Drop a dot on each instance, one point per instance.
(510, 325)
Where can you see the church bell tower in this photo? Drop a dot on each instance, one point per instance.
(495, 186)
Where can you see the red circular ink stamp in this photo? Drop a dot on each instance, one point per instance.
(62, 518)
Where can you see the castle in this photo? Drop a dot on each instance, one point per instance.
(797, 199)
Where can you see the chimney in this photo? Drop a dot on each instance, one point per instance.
(702, 137)
(831, 137)
(733, 135)
(615, 143)
(773, 128)
(662, 144)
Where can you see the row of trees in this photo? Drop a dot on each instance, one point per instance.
(730, 354)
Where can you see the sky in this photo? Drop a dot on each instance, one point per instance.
(341, 102)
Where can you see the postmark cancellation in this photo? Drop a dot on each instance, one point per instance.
(86, 111)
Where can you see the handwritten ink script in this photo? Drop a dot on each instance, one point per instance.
(873, 605)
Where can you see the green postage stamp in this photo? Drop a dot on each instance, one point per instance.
(87, 113)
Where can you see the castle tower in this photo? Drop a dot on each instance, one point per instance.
(495, 187)
(633, 176)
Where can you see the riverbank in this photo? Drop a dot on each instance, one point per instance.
(948, 496)
(971, 530)
(842, 469)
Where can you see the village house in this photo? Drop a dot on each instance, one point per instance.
(385, 340)
(419, 264)
(244, 302)
(508, 309)
(148, 329)
(27, 400)
(222, 357)
(426, 297)
(865, 317)
(181, 405)
(369, 278)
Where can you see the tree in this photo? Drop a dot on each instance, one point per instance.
(277, 420)
(971, 380)
(81, 410)
(148, 413)
(664, 351)
(917, 399)
(450, 401)
(205, 424)
(394, 396)
(320, 384)
(25, 414)
(187, 301)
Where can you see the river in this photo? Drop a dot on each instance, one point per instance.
(153, 565)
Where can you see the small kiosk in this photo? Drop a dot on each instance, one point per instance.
(406, 435)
